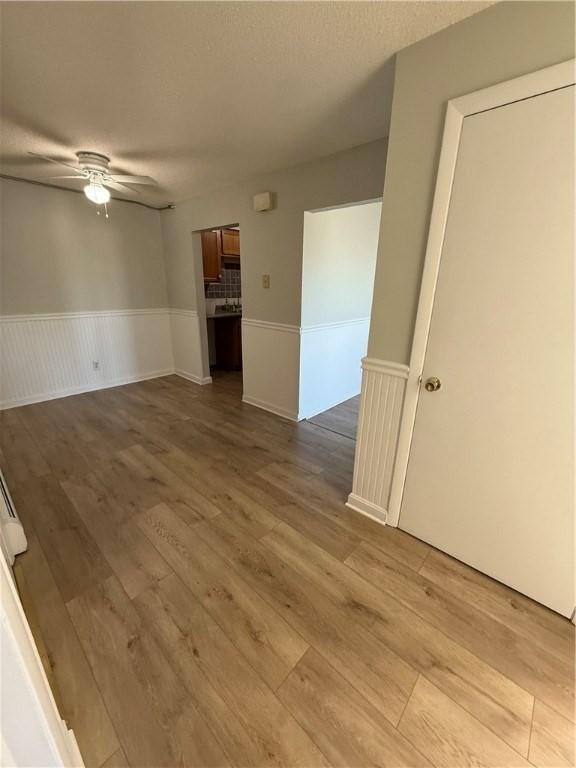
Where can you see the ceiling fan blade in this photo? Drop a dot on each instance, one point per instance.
(77, 177)
(133, 179)
(57, 162)
(120, 187)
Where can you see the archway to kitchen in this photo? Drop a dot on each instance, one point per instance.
(222, 294)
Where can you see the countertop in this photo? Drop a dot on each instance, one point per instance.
(218, 315)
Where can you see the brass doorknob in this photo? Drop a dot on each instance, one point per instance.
(432, 384)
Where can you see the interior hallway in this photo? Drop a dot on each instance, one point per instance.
(206, 599)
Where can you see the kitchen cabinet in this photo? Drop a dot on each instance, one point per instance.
(231, 242)
(212, 256)
(228, 343)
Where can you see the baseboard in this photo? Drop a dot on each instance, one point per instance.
(70, 736)
(7, 404)
(41, 398)
(192, 377)
(270, 407)
(367, 508)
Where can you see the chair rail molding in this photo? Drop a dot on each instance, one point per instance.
(382, 398)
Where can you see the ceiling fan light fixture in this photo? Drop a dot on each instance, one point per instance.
(97, 193)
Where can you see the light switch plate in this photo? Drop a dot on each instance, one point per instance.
(265, 281)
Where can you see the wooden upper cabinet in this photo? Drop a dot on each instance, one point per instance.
(212, 256)
(230, 242)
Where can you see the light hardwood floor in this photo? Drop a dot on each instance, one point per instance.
(204, 598)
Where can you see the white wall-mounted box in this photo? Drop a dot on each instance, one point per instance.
(262, 201)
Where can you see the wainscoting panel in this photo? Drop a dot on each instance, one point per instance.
(187, 345)
(270, 357)
(47, 356)
(383, 386)
(330, 364)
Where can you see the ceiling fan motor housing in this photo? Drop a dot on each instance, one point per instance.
(93, 161)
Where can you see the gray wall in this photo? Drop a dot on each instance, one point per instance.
(340, 247)
(271, 242)
(58, 255)
(505, 41)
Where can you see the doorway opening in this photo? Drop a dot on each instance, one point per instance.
(339, 263)
(223, 298)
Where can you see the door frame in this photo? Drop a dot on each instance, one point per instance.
(534, 84)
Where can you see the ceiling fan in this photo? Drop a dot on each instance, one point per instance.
(94, 169)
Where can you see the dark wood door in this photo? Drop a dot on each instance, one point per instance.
(212, 256)
(231, 242)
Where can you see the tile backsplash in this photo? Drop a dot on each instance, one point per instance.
(230, 286)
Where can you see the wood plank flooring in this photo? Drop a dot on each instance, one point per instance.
(202, 597)
(342, 419)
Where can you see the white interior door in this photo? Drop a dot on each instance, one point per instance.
(491, 470)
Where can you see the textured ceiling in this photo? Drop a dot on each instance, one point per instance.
(199, 93)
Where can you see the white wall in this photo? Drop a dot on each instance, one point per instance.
(339, 260)
(272, 243)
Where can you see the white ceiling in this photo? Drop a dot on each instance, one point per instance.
(199, 93)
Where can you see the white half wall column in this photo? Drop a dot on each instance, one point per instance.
(186, 326)
(270, 360)
(382, 398)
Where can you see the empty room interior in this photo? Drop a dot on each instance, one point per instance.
(287, 384)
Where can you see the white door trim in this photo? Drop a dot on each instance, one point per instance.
(31, 731)
(527, 86)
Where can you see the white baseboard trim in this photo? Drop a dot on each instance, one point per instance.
(270, 407)
(192, 377)
(5, 405)
(77, 759)
(367, 508)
